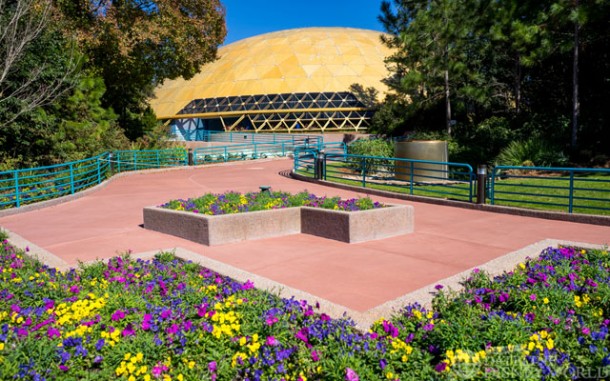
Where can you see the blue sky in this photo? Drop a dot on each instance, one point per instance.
(247, 18)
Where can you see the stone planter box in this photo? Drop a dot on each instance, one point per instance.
(352, 227)
(343, 226)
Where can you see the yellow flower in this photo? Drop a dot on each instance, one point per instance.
(545, 300)
(522, 266)
(1, 346)
(191, 364)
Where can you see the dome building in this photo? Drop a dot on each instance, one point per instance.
(286, 81)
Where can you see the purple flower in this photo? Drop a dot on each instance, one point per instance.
(302, 335)
(441, 366)
(585, 331)
(117, 315)
(351, 375)
(248, 285)
(74, 289)
(390, 329)
(212, 366)
(63, 368)
(146, 322)
(128, 331)
(533, 297)
(53, 332)
(439, 287)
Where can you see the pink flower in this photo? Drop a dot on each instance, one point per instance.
(201, 310)
(533, 297)
(351, 375)
(302, 334)
(272, 341)
(315, 356)
(585, 331)
(271, 320)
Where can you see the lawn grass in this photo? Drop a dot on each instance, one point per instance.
(591, 192)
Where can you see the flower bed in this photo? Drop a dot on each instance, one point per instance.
(220, 219)
(169, 319)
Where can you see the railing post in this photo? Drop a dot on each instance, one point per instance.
(571, 196)
(323, 164)
(190, 160)
(17, 194)
(158, 159)
(255, 151)
(225, 155)
(135, 160)
(72, 178)
(363, 168)
(111, 161)
(492, 186)
(411, 176)
(99, 171)
(481, 182)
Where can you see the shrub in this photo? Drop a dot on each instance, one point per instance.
(532, 152)
(371, 147)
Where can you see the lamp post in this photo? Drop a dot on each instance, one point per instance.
(481, 182)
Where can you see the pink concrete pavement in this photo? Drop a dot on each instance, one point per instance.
(446, 241)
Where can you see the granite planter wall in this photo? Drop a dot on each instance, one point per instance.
(350, 227)
(218, 230)
(361, 226)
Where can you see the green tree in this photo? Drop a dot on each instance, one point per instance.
(137, 44)
(84, 127)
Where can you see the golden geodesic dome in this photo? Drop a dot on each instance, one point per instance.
(307, 60)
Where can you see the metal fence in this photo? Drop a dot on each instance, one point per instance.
(134, 160)
(415, 177)
(572, 190)
(25, 186)
(249, 137)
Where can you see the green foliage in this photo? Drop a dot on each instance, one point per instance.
(532, 152)
(510, 61)
(85, 127)
(137, 45)
(371, 147)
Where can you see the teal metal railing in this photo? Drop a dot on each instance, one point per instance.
(249, 137)
(134, 160)
(572, 190)
(415, 177)
(25, 186)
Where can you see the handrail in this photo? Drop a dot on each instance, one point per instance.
(565, 189)
(414, 177)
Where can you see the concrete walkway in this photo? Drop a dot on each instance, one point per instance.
(357, 277)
